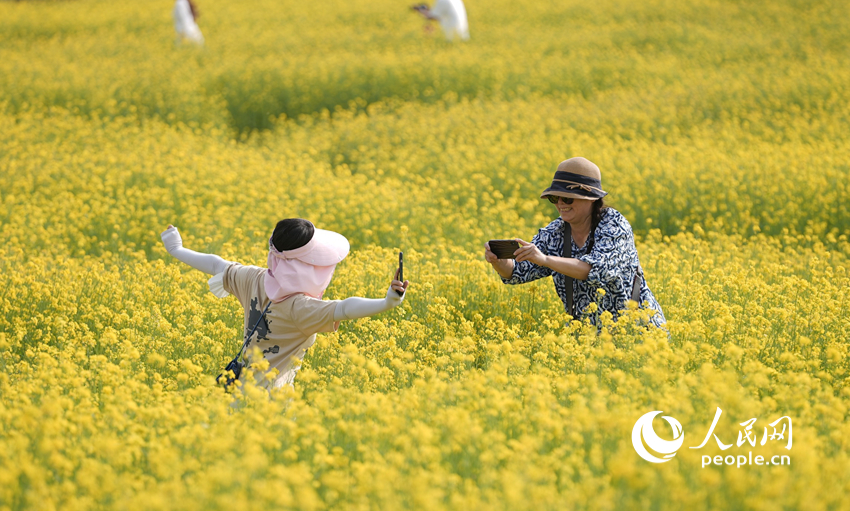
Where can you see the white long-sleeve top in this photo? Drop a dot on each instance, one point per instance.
(184, 23)
(452, 17)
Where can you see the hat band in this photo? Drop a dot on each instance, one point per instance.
(584, 187)
(585, 183)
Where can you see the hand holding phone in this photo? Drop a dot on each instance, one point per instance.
(504, 249)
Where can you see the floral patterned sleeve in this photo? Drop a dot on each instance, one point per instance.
(526, 271)
(613, 259)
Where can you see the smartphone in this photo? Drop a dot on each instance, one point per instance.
(504, 249)
(400, 271)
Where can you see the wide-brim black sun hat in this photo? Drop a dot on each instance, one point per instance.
(576, 178)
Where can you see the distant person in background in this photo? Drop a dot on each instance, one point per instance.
(452, 17)
(185, 23)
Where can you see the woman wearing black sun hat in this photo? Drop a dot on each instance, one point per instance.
(601, 252)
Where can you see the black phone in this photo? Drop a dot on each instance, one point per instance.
(400, 271)
(504, 249)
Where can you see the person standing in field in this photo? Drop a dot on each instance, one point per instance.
(588, 248)
(452, 17)
(284, 300)
(186, 22)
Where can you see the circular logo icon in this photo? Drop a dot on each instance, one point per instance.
(643, 433)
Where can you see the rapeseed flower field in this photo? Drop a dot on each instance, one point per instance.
(721, 128)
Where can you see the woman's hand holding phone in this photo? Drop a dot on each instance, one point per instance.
(529, 252)
(504, 267)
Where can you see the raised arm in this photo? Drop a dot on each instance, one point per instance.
(356, 307)
(207, 263)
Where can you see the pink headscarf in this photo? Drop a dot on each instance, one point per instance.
(307, 269)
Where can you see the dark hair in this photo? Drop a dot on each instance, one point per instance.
(598, 207)
(596, 213)
(292, 233)
(194, 10)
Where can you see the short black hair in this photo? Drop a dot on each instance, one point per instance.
(292, 233)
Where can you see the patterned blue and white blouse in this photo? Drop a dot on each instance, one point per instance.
(613, 260)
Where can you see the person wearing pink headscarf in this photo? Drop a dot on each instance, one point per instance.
(284, 299)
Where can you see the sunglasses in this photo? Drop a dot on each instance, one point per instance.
(554, 199)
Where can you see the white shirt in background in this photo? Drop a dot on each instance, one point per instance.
(452, 17)
(184, 23)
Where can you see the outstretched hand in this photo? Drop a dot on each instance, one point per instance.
(529, 252)
(171, 239)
